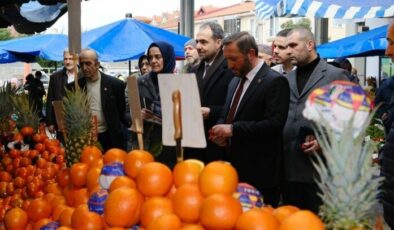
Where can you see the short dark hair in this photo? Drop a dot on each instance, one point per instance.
(283, 33)
(38, 74)
(142, 57)
(244, 41)
(217, 30)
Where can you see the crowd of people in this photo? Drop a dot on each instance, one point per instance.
(252, 97)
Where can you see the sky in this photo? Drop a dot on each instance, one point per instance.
(96, 13)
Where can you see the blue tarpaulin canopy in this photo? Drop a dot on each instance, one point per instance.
(128, 39)
(46, 46)
(370, 43)
(340, 9)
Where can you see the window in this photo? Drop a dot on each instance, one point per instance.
(232, 26)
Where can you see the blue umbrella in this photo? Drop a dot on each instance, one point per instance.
(128, 39)
(370, 43)
(343, 9)
(46, 46)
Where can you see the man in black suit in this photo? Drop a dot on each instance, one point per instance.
(107, 100)
(56, 91)
(213, 78)
(255, 114)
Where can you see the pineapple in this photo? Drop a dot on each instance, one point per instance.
(348, 181)
(24, 112)
(6, 91)
(77, 123)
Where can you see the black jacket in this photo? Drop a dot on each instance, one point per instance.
(56, 92)
(388, 172)
(213, 89)
(256, 145)
(113, 106)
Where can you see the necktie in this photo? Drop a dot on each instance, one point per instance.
(234, 105)
(205, 69)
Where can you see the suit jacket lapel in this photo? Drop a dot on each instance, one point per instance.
(209, 78)
(257, 80)
(317, 74)
(104, 91)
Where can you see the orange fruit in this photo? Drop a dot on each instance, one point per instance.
(269, 209)
(166, 222)
(39, 224)
(65, 216)
(154, 179)
(220, 211)
(122, 181)
(92, 177)
(187, 172)
(282, 212)
(27, 131)
(302, 220)
(192, 227)
(218, 177)
(122, 208)
(134, 160)
(256, 219)
(90, 154)
(187, 203)
(15, 218)
(64, 228)
(114, 155)
(39, 209)
(153, 208)
(83, 219)
(81, 196)
(57, 210)
(78, 172)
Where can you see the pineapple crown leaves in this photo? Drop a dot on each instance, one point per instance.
(348, 182)
(24, 111)
(77, 113)
(6, 92)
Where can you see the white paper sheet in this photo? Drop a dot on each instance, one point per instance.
(192, 122)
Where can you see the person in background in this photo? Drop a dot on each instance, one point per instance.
(56, 91)
(143, 65)
(161, 57)
(191, 56)
(256, 109)
(345, 64)
(387, 160)
(265, 53)
(281, 57)
(300, 144)
(107, 100)
(213, 77)
(36, 91)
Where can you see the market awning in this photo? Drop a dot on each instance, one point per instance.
(339, 9)
(370, 43)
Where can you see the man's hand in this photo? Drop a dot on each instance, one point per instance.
(311, 145)
(220, 134)
(205, 112)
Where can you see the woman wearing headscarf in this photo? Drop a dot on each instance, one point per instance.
(161, 58)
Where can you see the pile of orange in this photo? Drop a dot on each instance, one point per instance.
(191, 196)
